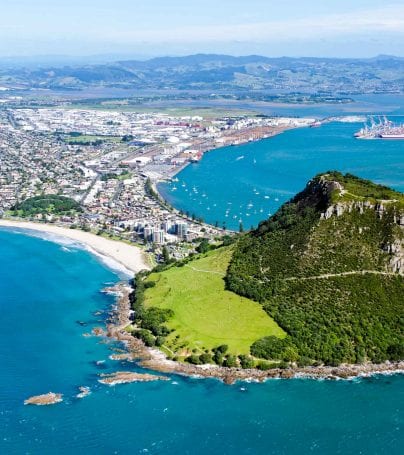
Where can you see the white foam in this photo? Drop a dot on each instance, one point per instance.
(112, 264)
(66, 242)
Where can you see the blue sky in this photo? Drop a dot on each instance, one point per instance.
(177, 27)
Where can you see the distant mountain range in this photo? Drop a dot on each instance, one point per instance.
(382, 74)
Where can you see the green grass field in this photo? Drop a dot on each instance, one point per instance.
(207, 315)
(86, 138)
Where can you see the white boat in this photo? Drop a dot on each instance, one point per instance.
(384, 129)
(392, 136)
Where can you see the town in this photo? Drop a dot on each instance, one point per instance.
(110, 162)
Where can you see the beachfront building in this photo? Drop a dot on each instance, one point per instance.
(181, 230)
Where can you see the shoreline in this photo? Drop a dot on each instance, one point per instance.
(155, 360)
(238, 143)
(174, 172)
(116, 255)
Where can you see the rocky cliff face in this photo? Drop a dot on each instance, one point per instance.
(394, 248)
(318, 193)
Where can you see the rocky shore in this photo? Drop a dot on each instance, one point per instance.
(231, 375)
(126, 377)
(45, 400)
(84, 392)
(155, 359)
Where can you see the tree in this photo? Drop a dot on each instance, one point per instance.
(203, 247)
(193, 359)
(230, 361)
(246, 361)
(222, 349)
(205, 358)
(241, 227)
(166, 255)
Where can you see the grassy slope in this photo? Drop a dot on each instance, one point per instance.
(206, 315)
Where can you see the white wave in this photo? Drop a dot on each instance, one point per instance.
(112, 264)
(48, 236)
(70, 245)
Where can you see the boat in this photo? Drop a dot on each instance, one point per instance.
(392, 136)
(196, 158)
(384, 129)
(315, 124)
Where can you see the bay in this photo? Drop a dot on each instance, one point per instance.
(248, 183)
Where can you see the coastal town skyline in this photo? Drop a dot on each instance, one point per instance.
(308, 28)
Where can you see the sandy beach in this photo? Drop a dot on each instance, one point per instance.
(125, 256)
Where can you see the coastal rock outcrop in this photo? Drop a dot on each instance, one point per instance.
(84, 392)
(45, 399)
(126, 377)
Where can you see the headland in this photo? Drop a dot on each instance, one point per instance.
(225, 314)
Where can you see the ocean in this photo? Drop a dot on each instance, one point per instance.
(248, 183)
(50, 296)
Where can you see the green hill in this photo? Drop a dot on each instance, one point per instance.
(328, 267)
(188, 312)
(322, 281)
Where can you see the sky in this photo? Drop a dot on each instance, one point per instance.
(334, 28)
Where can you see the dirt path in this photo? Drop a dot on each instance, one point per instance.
(334, 275)
(206, 271)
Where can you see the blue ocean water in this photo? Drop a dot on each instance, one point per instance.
(391, 105)
(46, 287)
(249, 182)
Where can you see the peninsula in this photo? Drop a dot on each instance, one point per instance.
(316, 290)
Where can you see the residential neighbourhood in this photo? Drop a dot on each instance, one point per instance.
(109, 162)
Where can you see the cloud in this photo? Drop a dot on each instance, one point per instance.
(388, 19)
(285, 28)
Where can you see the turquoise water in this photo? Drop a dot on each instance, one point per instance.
(247, 183)
(46, 287)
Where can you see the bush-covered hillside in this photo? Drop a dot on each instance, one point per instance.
(328, 267)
